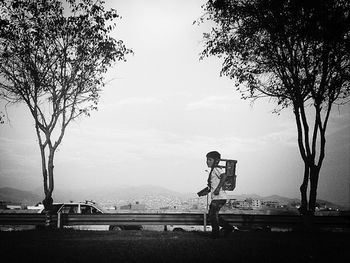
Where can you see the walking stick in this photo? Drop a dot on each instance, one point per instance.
(207, 202)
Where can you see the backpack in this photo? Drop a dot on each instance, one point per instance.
(230, 170)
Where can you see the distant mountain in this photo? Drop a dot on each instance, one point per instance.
(13, 195)
(105, 194)
(127, 193)
(286, 200)
(280, 199)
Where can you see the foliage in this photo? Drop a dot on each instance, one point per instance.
(47, 56)
(53, 56)
(289, 50)
(294, 51)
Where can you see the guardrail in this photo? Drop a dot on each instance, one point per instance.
(25, 219)
(173, 219)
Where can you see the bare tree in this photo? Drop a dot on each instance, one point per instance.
(53, 58)
(296, 52)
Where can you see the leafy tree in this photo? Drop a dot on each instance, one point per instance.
(293, 51)
(53, 56)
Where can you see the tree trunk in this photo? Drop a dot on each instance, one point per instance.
(47, 169)
(47, 202)
(303, 191)
(314, 175)
(48, 182)
(302, 130)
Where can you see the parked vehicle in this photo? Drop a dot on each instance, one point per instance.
(183, 228)
(187, 228)
(88, 207)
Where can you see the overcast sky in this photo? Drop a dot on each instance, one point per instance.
(163, 110)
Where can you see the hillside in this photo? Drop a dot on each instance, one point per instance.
(126, 193)
(103, 194)
(12, 195)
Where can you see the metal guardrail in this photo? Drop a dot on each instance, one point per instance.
(24, 219)
(134, 219)
(172, 219)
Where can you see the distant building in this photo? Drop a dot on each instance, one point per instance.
(273, 204)
(3, 204)
(136, 206)
(256, 204)
(195, 207)
(242, 204)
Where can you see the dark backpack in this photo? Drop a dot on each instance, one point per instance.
(230, 170)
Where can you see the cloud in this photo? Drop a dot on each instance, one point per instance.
(133, 102)
(19, 162)
(98, 146)
(287, 136)
(18, 152)
(211, 102)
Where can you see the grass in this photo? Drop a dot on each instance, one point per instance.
(153, 246)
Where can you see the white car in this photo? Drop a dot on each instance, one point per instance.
(189, 228)
(183, 228)
(87, 207)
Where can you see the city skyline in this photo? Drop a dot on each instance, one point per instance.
(151, 195)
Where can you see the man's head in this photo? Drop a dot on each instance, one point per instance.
(213, 158)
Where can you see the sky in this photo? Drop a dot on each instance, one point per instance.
(162, 111)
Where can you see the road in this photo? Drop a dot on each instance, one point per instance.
(154, 246)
